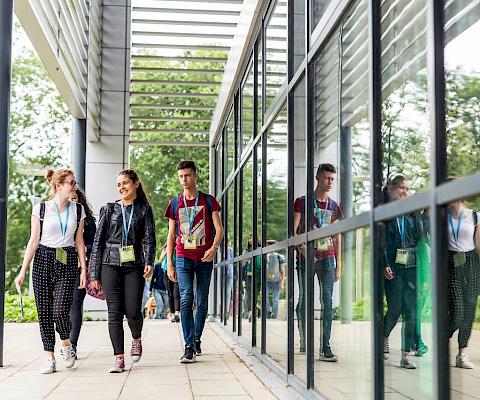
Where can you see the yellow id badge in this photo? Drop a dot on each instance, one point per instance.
(459, 259)
(402, 257)
(61, 255)
(127, 254)
(190, 242)
(323, 244)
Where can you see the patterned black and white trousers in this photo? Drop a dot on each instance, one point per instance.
(53, 284)
(463, 289)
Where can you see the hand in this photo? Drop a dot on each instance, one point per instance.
(337, 273)
(83, 279)
(147, 271)
(96, 284)
(171, 273)
(20, 278)
(388, 273)
(209, 254)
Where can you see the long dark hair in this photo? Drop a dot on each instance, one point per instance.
(392, 184)
(82, 199)
(141, 195)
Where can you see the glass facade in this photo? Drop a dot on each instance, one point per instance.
(352, 165)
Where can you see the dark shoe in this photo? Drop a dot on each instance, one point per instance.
(74, 348)
(328, 356)
(188, 356)
(198, 349)
(177, 318)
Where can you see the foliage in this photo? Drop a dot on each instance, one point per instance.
(13, 310)
(38, 136)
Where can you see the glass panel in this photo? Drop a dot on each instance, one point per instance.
(276, 286)
(257, 267)
(247, 108)
(276, 54)
(219, 152)
(462, 69)
(230, 137)
(318, 8)
(247, 272)
(408, 304)
(298, 33)
(229, 267)
(463, 287)
(277, 178)
(343, 326)
(259, 192)
(342, 136)
(405, 111)
(260, 87)
(300, 184)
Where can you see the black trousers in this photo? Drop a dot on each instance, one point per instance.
(401, 300)
(123, 287)
(53, 284)
(173, 294)
(463, 289)
(76, 311)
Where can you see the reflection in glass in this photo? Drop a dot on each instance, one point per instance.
(318, 9)
(276, 52)
(219, 166)
(298, 33)
(230, 137)
(259, 80)
(462, 76)
(247, 109)
(228, 310)
(277, 179)
(407, 283)
(405, 112)
(276, 305)
(257, 298)
(463, 232)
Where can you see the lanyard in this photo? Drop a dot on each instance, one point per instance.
(401, 230)
(455, 235)
(321, 216)
(126, 228)
(194, 214)
(62, 229)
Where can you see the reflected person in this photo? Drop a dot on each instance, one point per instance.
(247, 273)
(401, 237)
(275, 280)
(464, 275)
(327, 255)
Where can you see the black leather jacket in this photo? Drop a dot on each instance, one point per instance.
(108, 237)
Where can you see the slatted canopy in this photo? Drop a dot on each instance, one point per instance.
(179, 52)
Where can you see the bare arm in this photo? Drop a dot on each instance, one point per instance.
(80, 245)
(338, 256)
(477, 237)
(30, 250)
(217, 223)
(172, 275)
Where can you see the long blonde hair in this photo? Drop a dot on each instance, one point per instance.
(55, 177)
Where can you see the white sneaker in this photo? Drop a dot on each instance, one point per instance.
(462, 361)
(49, 366)
(68, 355)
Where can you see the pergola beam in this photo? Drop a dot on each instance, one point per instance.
(169, 144)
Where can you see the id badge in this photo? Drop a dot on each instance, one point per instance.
(459, 259)
(323, 244)
(127, 254)
(402, 257)
(190, 242)
(61, 255)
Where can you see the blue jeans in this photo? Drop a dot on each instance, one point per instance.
(275, 287)
(325, 270)
(161, 300)
(187, 271)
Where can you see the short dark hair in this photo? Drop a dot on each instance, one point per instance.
(185, 164)
(325, 167)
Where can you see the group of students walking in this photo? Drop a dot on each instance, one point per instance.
(120, 254)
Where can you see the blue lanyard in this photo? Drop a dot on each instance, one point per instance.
(401, 230)
(455, 235)
(62, 229)
(126, 228)
(194, 214)
(321, 216)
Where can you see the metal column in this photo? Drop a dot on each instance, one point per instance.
(79, 142)
(6, 16)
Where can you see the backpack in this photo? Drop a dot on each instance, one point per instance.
(273, 267)
(42, 217)
(208, 201)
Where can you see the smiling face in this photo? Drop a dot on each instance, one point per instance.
(187, 178)
(67, 187)
(401, 191)
(126, 187)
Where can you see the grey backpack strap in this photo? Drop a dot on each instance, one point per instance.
(42, 217)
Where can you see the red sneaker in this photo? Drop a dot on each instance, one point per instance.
(136, 351)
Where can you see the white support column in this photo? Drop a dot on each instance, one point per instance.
(110, 154)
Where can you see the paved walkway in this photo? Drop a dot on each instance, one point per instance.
(218, 374)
